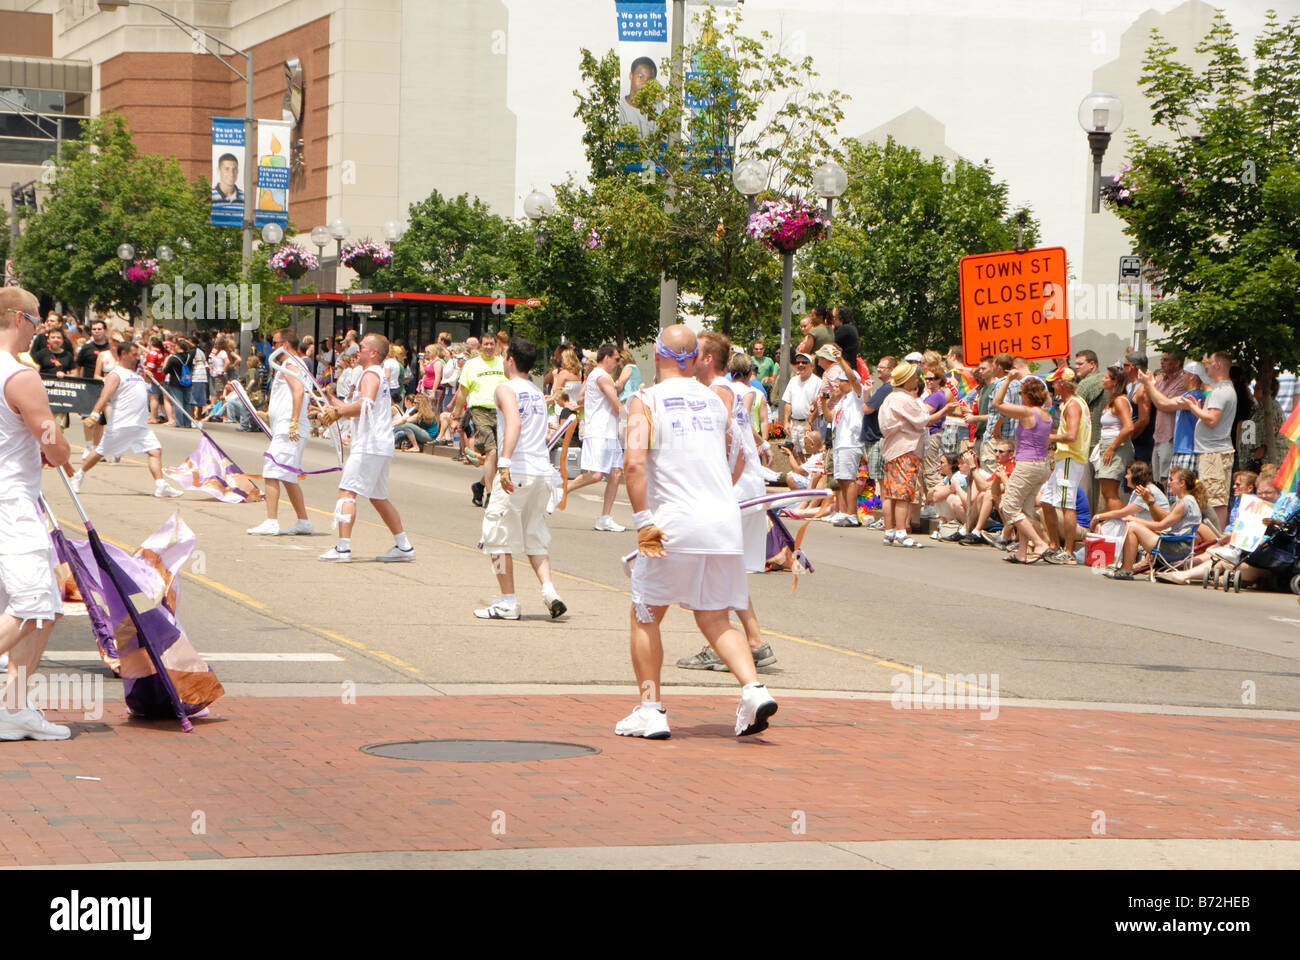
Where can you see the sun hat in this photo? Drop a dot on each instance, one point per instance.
(902, 373)
(829, 352)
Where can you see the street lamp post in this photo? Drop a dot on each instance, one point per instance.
(338, 229)
(829, 182)
(126, 253)
(1100, 115)
(749, 177)
(250, 147)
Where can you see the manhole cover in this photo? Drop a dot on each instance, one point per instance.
(479, 751)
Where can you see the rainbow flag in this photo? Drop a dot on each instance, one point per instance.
(1289, 471)
(1291, 429)
(962, 381)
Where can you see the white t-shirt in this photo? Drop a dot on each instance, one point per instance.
(1218, 439)
(392, 374)
(373, 433)
(1159, 496)
(600, 417)
(199, 368)
(800, 394)
(130, 402)
(530, 457)
(280, 406)
(848, 422)
(688, 484)
(751, 483)
(217, 364)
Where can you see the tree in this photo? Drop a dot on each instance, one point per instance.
(450, 246)
(589, 264)
(1215, 203)
(898, 233)
(741, 98)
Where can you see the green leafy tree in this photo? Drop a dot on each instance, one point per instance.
(898, 233)
(740, 98)
(452, 245)
(589, 263)
(1214, 200)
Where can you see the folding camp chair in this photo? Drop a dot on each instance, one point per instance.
(1171, 553)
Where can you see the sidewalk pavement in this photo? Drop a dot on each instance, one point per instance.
(273, 777)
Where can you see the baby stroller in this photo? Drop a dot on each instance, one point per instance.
(1279, 554)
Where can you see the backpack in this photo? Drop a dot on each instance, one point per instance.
(186, 376)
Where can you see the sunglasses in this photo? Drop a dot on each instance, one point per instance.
(34, 321)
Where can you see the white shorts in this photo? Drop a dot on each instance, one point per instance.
(753, 525)
(693, 581)
(366, 475)
(119, 440)
(846, 462)
(516, 522)
(601, 455)
(29, 586)
(1062, 488)
(285, 451)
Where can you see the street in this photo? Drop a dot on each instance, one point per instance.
(1069, 695)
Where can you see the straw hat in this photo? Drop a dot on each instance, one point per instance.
(902, 373)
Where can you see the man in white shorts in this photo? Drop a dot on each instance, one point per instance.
(515, 518)
(602, 454)
(688, 532)
(366, 472)
(29, 588)
(716, 357)
(128, 430)
(287, 411)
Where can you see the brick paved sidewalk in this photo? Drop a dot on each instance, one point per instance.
(279, 777)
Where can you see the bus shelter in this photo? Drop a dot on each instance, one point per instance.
(410, 319)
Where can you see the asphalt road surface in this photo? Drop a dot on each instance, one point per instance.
(270, 614)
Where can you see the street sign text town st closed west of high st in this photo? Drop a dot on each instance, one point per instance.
(1014, 302)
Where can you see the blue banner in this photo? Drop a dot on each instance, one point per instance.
(227, 172)
(642, 21)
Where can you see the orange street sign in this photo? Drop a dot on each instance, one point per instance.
(1014, 303)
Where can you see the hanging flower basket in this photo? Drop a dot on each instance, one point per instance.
(1120, 190)
(141, 271)
(786, 225)
(366, 256)
(292, 261)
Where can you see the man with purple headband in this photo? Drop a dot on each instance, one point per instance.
(688, 532)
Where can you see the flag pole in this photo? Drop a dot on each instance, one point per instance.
(109, 567)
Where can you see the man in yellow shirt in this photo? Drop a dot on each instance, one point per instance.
(477, 389)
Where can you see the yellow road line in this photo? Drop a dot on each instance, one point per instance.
(265, 610)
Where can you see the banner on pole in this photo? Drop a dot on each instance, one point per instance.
(273, 142)
(72, 394)
(642, 46)
(227, 172)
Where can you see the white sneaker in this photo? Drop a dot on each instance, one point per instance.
(30, 724)
(86, 452)
(397, 555)
(834, 517)
(163, 489)
(553, 603)
(301, 528)
(606, 524)
(498, 611)
(75, 481)
(267, 528)
(756, 705)
(336, 555)
(644, 722)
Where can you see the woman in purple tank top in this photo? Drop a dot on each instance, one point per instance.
(1032, 465)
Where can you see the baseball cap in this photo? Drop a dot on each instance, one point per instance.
(803, 356)
(1198, 369)
(915, 357)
